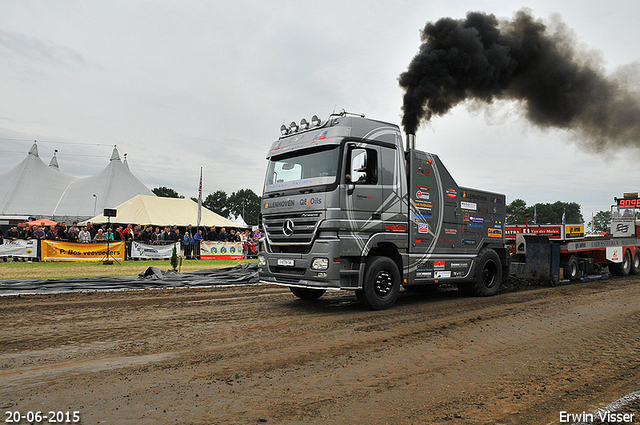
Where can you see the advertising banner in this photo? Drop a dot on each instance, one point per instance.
(141, 250)
(220, 250)
(19, 248)
(69, 251)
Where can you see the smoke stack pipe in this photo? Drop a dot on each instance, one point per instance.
(411, 141)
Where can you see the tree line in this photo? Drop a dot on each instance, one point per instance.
(243, 203)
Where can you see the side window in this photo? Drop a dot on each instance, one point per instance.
(363, 166)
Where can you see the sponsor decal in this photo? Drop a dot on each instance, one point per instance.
(451, 193)
(467, 242)
(477, 226)
(320, 136)
(494, 233)
(438, 265)
(423, 274)
(422, 195)
(279, 204)
(622, 228)
(476, 219)
(423, 187)
(451, 231)
(474, 196)
(423, 215)
(311, 201)
(441, 274)
(423, 205)
(422, 180)
(468, 205)
(423, 228)
(459, 265)
(395, 227)
(423, 171)
(276, 146)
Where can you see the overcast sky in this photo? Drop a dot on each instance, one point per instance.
(189, 84)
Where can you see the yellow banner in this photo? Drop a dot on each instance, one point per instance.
(69, 251)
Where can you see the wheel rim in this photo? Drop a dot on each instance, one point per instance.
(489, 274)
(384, 283)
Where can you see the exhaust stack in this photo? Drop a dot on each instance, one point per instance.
(411, 141)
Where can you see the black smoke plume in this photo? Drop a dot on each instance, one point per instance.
(482, 58)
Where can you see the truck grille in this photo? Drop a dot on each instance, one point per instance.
(291, 229)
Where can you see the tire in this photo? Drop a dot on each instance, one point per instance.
(635, 263)
(572, 269)
(307, 293)
(621, 269)
(488, 277)
(381, 284)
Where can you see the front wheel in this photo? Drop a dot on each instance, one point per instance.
(381, 284)
(307, 293)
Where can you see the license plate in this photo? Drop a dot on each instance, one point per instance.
(285, 262)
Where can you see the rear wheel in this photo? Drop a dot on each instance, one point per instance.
(307, 293)
(635, 263)
(623, 268)
(488, 278)
(381, 284)
(572, 269)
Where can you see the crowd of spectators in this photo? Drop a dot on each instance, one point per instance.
(189, 237)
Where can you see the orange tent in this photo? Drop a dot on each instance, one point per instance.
(44, 222)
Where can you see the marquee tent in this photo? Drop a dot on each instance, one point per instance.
(32, 188)
(83, 198)
(36, 190)
(158, 211)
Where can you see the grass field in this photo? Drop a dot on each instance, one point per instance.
(60, 270)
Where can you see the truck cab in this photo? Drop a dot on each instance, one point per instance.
(345, 207)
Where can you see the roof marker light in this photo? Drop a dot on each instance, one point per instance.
(284, 130)
(304, 124)
(293, 126)
(315, 121)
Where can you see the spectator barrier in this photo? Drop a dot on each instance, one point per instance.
(71, 251)
(220, 250)
(156, 252)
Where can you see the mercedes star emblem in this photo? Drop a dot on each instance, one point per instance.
(287, 227)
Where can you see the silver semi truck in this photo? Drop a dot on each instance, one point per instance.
(345, 206)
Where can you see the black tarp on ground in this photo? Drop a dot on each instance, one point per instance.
(153, 277)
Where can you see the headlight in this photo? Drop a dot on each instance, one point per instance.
(320, 264)
(261, 260)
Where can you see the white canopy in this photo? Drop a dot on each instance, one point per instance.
(85, 197)
(37, 190)
(31, 188)
(158, 211)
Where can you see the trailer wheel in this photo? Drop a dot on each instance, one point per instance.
(621, 269)
(488, 274)
(381, 283)
(572, 269)
(307, 293)
(635, 263)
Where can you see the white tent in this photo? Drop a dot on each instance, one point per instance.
(84, 198)
(158, 211)
(37, 190)
(32, 188)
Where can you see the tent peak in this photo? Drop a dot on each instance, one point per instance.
(34, 149)
(115, 156)
(54, 161)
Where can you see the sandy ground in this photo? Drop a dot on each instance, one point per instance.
(256, 354)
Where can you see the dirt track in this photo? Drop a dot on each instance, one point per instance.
(256, 354)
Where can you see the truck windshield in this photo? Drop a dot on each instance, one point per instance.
(302, 169)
